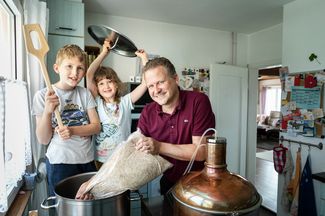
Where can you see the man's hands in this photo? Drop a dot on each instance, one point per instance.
(148, 145)
(81, 192)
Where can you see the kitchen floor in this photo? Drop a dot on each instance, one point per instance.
(266, 181)
(265, 212)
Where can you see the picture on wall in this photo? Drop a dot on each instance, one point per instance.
(302, 101)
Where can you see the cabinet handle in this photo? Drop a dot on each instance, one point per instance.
(65, 28)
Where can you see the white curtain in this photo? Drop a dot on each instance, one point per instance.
(16, 130)
(36, 12)
(262, 100)
(3, 191)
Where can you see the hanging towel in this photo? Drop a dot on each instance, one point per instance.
(279, 158)
(293, 187)
(287, 173)
(307, 204)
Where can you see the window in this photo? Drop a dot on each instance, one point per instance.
(272, 99)
(269, 95)
(15, 151)
(6, 42)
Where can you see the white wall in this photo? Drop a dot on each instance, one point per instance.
(185, 46)
(265, 47)
(303, 33)
(308, 16)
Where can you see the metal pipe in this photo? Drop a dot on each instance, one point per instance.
(320, 145)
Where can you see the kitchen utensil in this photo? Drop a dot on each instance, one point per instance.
(40, 55)
(122, 45)
(67, 205)
(214, 190)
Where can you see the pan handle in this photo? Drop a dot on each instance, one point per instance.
(44, 206)
(118, 37)
(139, 197)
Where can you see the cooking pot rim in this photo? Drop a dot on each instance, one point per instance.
(92, 200)
(83, 201)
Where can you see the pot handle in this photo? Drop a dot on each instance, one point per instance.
(140, 196)
(51, 206)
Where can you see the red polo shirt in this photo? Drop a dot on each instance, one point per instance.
(192, 117)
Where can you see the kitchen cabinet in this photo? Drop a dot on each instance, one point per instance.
(55, 43)
(92, 53)
(66, 18)
(66, 26)
(322, 200)
(320, 177)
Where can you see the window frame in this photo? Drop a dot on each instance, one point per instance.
(18, 60)
(277, 99)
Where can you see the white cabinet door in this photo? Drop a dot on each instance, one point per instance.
(55, 43)
(66, 17)
(228, 95)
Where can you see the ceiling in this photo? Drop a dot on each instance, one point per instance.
(241, 16)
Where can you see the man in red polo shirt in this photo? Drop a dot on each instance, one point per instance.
(174, 122)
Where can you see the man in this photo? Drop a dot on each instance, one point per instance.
(174, 123)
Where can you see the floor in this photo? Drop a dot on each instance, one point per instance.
(265, 212)
(266, 181)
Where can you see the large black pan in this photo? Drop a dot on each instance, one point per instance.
(122, 45)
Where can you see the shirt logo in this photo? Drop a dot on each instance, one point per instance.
(185, 120)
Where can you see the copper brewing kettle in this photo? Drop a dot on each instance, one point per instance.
(215, 190)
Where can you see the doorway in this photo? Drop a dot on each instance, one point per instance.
(268, 129)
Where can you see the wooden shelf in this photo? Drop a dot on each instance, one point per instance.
(18, 206)
(92, 53)
(92, 50)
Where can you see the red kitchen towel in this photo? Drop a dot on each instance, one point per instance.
(279, 158)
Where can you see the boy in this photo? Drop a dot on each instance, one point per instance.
(70, 151)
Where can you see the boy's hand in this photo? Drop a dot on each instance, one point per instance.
(51, 102)
(64, 132)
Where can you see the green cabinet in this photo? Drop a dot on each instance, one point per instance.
(66, 26)
(55, 43)
(66, 17)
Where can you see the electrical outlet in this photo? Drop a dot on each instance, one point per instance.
(138, 79)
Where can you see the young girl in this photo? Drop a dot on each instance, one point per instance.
(114, 110)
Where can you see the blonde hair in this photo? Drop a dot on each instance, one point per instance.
(109, 73)
(70, 51)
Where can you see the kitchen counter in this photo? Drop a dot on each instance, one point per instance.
(319, 176)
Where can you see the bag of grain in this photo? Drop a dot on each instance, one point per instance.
(126, 169)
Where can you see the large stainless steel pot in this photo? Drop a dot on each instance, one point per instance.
(66, 205)
(214, 190)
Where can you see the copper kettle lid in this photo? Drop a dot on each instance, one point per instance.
(214, 189)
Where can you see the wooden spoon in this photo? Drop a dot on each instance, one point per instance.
(40, 55)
